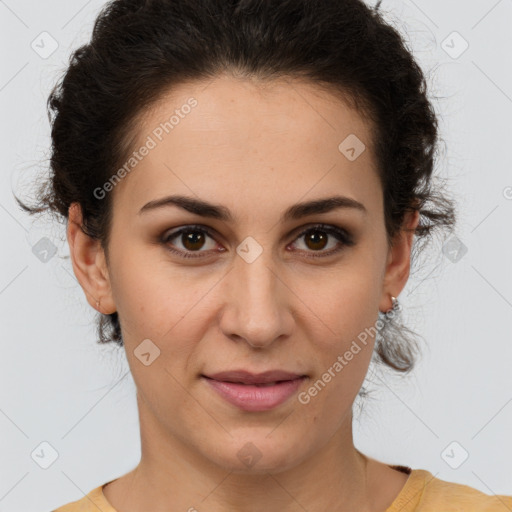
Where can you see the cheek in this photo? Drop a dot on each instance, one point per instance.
(346, 305)
(345, 301)
(149, 293)
(157, 301)
(343, 349)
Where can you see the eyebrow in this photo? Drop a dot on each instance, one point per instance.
(219, 212)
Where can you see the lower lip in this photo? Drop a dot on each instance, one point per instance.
(255, 398)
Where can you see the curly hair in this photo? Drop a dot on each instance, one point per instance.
(140, 49)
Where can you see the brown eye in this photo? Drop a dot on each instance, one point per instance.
(317, 238)
(192, 240)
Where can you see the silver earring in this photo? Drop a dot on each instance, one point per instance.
(395, 305)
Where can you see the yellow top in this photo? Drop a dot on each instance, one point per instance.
(422, 492)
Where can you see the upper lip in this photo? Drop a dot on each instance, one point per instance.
(246, 377)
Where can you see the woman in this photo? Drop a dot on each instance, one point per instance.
(244, 183)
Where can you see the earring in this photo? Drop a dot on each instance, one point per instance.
(395, 306)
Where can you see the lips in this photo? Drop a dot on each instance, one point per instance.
(245, 377)
(255, 392)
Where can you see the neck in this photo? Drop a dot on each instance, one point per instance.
(179, 478)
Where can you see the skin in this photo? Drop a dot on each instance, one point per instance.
(256, 149)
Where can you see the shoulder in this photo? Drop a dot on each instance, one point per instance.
(430, 494)
(95, 500)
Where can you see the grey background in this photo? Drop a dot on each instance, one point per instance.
(60, 388)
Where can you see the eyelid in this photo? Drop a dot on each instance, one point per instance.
(343, 236)
(169, 235)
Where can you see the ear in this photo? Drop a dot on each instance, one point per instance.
(89, 263)
(399, 260)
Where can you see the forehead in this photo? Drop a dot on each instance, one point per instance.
(281, 138)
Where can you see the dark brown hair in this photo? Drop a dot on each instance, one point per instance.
(141, 48)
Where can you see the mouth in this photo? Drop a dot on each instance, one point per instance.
(245, 377)
(255, 392)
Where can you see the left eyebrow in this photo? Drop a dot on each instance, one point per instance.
(219, 212)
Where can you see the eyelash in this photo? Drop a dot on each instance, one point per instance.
(341, 235)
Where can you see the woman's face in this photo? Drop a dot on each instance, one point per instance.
(252, 292)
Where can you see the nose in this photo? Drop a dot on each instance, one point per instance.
(257, 308)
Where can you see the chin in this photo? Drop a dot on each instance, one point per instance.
(255, 452)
